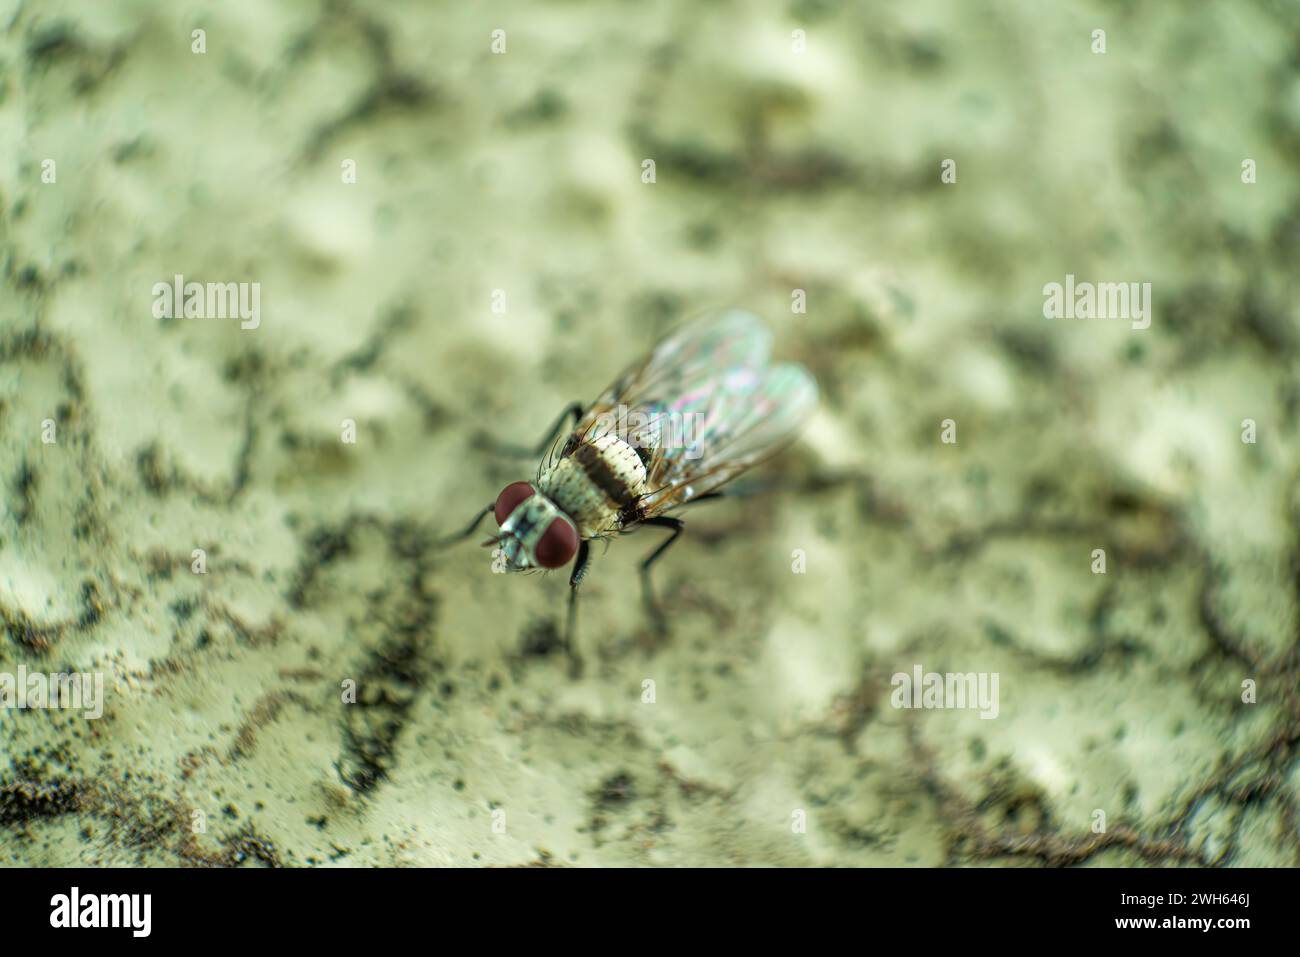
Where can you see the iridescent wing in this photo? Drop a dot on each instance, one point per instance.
(688, 358)
(704, 406)
(742, 427)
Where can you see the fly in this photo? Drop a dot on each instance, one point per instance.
(703, 407)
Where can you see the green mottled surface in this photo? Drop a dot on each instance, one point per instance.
(1119, 692)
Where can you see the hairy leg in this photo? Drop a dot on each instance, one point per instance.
(647, 589)
(580, 566)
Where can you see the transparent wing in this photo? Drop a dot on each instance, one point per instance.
(681, 369)
(743, 426)
(704, 406)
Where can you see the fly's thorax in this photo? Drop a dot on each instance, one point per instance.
(524, 528)
(594, 483)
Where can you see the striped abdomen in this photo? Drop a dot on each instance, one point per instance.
(594, 483)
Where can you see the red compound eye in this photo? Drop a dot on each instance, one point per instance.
(557, 545)
(509, 499)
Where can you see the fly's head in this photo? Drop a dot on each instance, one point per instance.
(534, 533)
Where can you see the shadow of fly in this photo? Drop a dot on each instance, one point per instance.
(703, 407)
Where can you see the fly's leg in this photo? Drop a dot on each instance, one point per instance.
(486, 441)
(580, 567)
(461, 536)
(652, 606)
(647, 590)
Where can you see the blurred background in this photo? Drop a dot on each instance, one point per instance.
(386, 179)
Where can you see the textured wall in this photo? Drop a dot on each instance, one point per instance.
(774, 171)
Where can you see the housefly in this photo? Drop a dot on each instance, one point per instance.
(704, 406)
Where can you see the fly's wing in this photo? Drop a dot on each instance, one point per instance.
(746, 420)
(681, 369)
(685, 362)
(704, 406)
